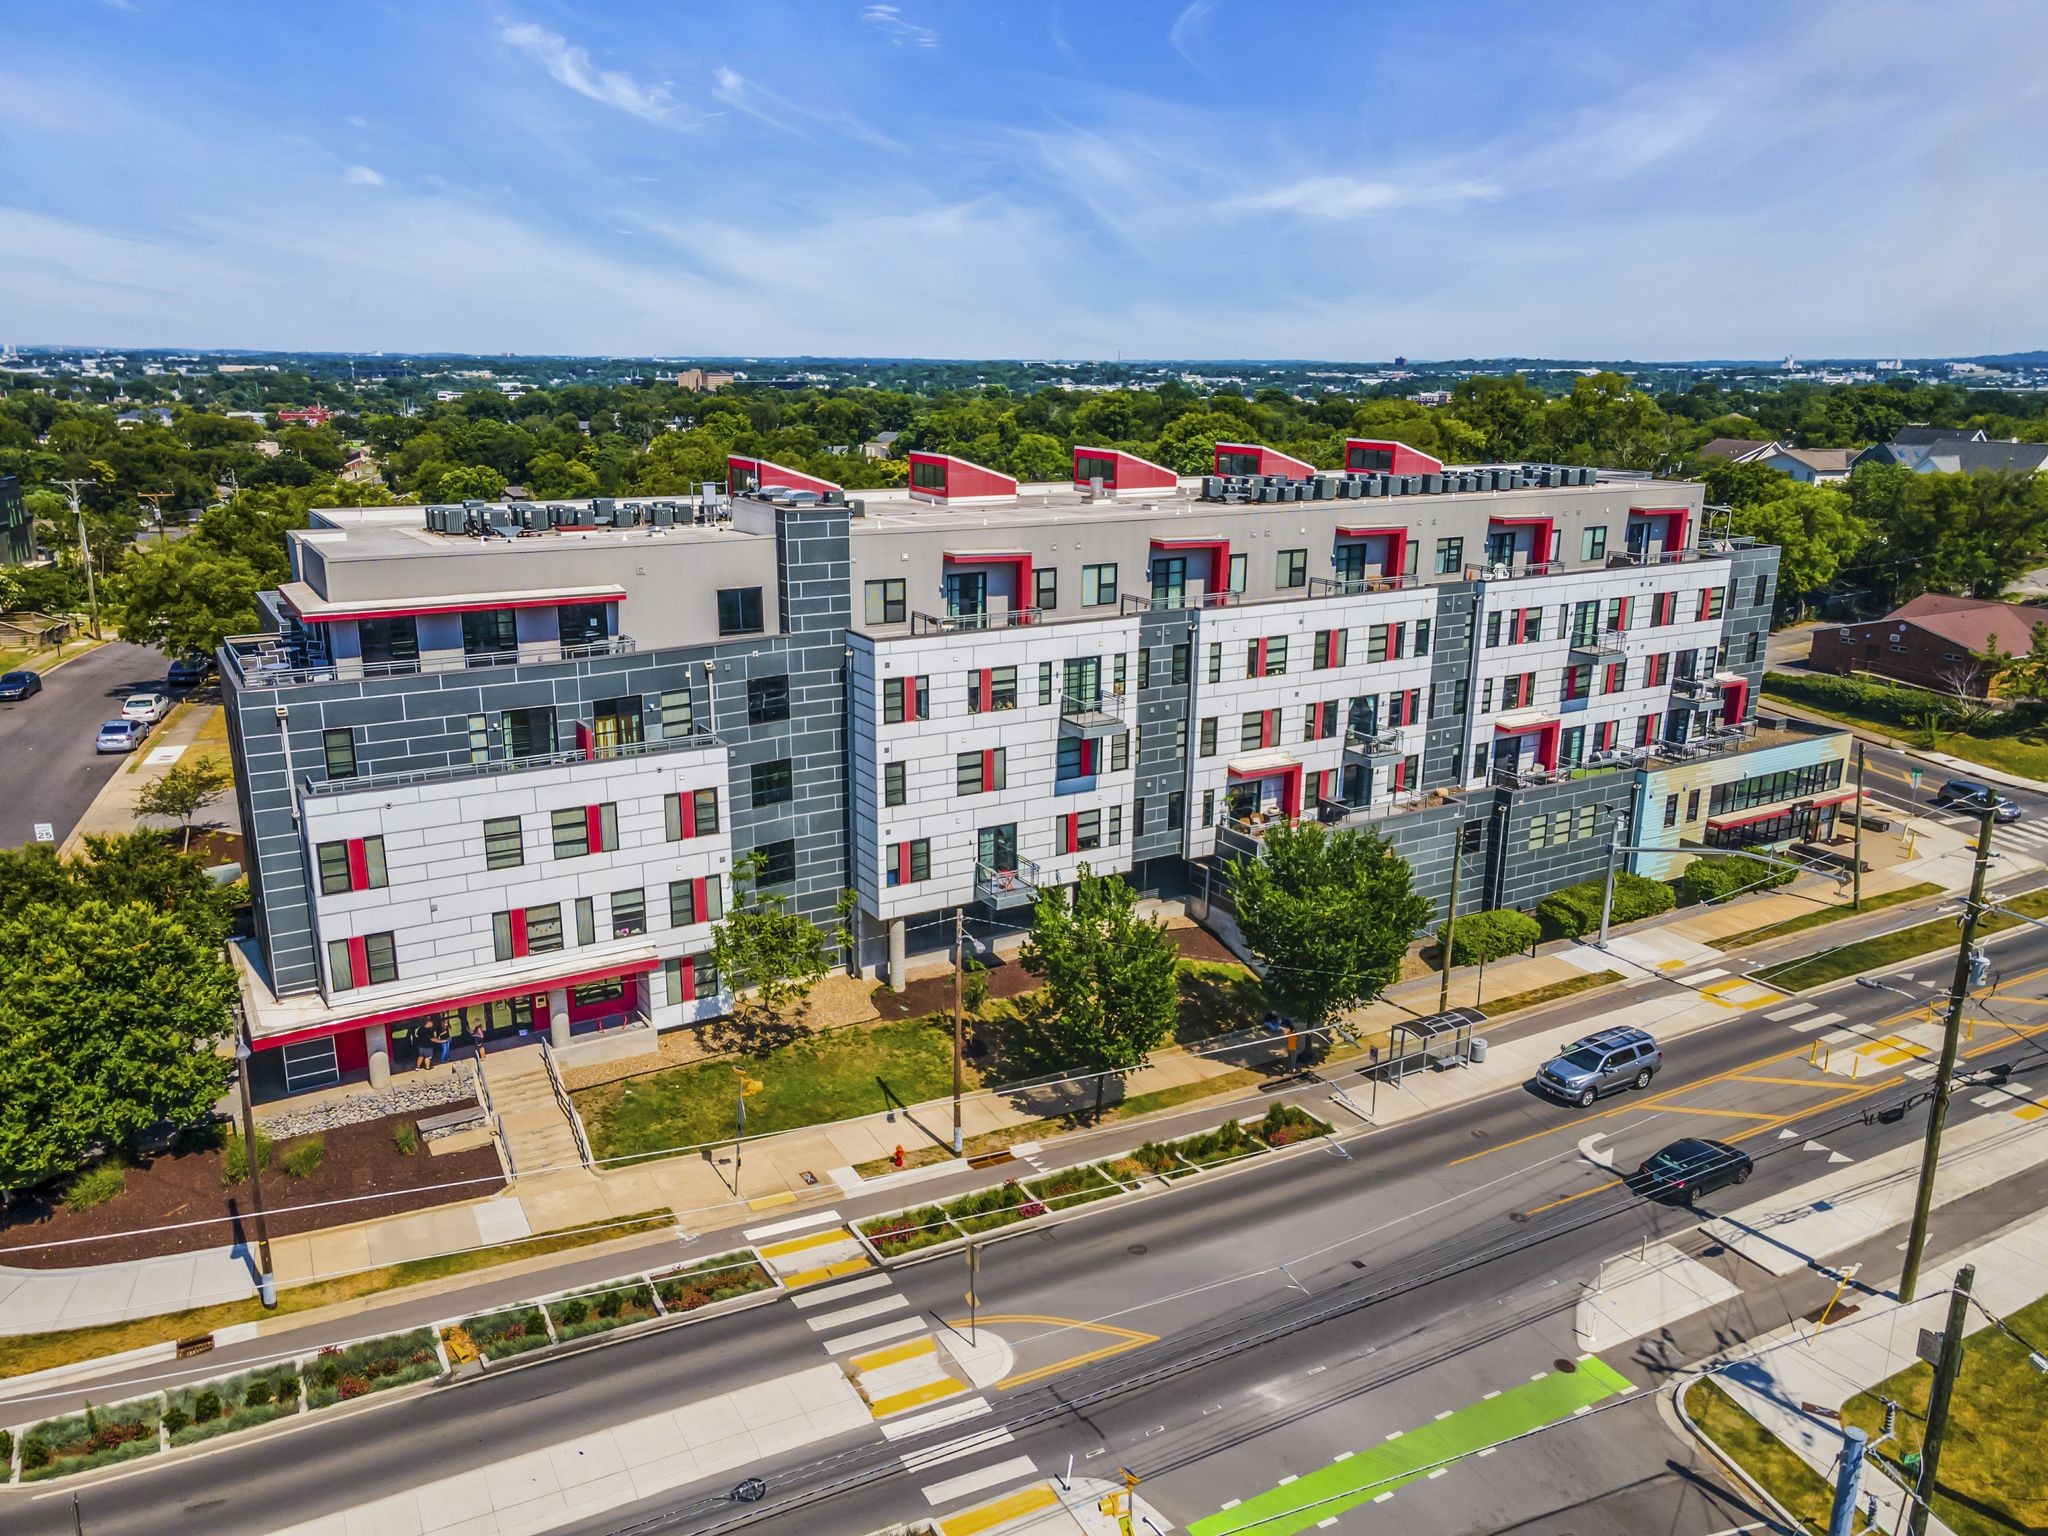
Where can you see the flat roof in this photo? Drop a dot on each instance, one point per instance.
(386, 539)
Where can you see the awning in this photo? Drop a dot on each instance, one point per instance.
(1259, 765)
(1782, 808)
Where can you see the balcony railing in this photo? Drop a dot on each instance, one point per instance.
(974, 623)
(1092, 714)
(1358, 586)
(1599, 646)
(1535, 776)
(697, 740)
(1703, 688)
(268, 661)
(1135, 603)
(1008, 886)
(1374, 745)
(1712, 743)
(1509, 571)
(1628, 557)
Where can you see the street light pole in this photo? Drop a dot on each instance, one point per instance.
(266, 1277)
(85, 552)
(959, 1028)
(1613, 861)
(1856, 868)
(1951, 1040)
(1443, 991)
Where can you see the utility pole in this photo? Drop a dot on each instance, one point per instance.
(85, 552)
(959, 1028)
(1443, 991)
(1848, 1474)
(1613, 862)
(266, 1277)
(1951, 1039)
(1945, 1372)
(1856, 869)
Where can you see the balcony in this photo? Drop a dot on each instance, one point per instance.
(1133, 603)
(1090, 717)
(1536, 777)
(1656, 557)
(1357, 586)
(1002, 888)
(269, 661)
(1510, 572)
(1702, 691)
(974, 623)
(1376, 746)
(699, 739)
(1599, 645)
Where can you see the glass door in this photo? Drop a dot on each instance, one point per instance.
(1500, 547)
(996, 848)
(1169, 580)
(966, 594)
(1083, 679)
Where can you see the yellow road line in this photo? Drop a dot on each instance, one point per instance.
(1725, 1114)
(804, 1277)
(896, 1354)
(1788, 1082)
(916, 1397)
(1123, 1339)
(2030, 1112)
(814, 1240)
(1011, 1506)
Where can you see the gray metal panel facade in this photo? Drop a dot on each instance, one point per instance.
(1451, 652)
(1162, 763)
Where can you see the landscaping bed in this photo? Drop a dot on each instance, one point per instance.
(98, 1437)
(723, 1277)
(340, 1374)
(1072, 1187)
(205, 1409)
(987, 1209)
(155, 1198)
(1228, 1143)
(500, 1335)
(907, 1231)
(601, 1309)
(1285, 1124)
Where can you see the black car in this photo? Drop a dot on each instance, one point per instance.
(1690, 1167)
(20, 685)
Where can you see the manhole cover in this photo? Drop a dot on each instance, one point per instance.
(1518, 1216)
(1358, 1263)
(1137, 1250)
(1481, 1135)
(1567, 1366)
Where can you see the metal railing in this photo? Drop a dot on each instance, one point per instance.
(1599, 642)
(974, 623)
(1358, 586)
(1535, 777)
(564, 1103)
(268, 661)
(1507, 570)
(1383, 742)
(699, 738)
(1661, 557)
(1696, 687)
(1079, 706)
(1726, 738)
(1006, 886)
(1135, 603)
(483, 1098)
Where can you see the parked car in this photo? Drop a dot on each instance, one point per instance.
(1969, 795)
(1690, 1167)
(1623, 1057)
(189, 672)
(121, 735)
(20, 685)
(149, 708)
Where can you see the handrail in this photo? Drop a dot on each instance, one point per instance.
(483, 1098)
(969, 623)
(1136, 603)
(1507, 570)
(700, 737)
(564, 1103)
(278, 664)
(1020, 876)
(1385, 739)
(1355, 586)
(1075, 705)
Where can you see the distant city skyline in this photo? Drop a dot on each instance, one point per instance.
(1205, 180)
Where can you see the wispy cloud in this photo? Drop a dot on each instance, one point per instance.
(899, 29)
(362, 176)
(1186, 25)
(1351, 197)
(732, 89)
(571, 65)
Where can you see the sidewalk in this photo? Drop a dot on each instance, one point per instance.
(113, 808)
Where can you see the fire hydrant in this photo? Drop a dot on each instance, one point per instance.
(896, 1157)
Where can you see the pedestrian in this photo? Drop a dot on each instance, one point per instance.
(443, 1037)
(422, 1048)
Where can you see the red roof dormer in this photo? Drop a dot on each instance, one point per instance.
(1121, 474)
(1384, 455)
(1258, 459)
(954, 482)
(751, 474)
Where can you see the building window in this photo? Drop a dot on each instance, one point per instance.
(978, 773)
(570, 832)
(1251, 731)
(579, 626)
(888, 601)
(504, 843)
(614, 723)
(504, 941)
(1712, 600)
(1216, 661)
(1045, 682)
(544, 929)
(1045, 588)
(629, 914)
(902, 699)
(690, 813)
(895, 790)
(773, 783)
(1208, 736)
(490, 638)
(364, 962)
(739, 611)
(1332, 646)
(1421, 637)
(1692, 805)
(586, 920)
(767, 700)
(389, 646)
(1763, 591)
(1119, 752)
(1085, 834)
(1291, 569)
(1671, 810)
(340, 749)
(1593, 543)
(695, 901)
(991, 688)
(675, 714)
(1098, 585)
(778, 862)
(910, 862)
(334, 877)
(1663, 609)
(1450, 556)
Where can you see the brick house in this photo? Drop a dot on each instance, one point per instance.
(1935, 641)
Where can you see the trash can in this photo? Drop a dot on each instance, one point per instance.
(1475, 1050)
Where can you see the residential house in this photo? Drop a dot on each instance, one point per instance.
(1935, 641)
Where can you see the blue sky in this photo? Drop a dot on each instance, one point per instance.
(1222, 178)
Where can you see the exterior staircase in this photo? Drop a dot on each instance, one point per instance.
(537, 1134)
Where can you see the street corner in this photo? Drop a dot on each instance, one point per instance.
(1032, 1347)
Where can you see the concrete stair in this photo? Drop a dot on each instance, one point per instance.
(537, 1133)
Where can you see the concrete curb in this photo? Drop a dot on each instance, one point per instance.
(65, 661)
(1676, 1398)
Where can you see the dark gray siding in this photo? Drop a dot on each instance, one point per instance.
(1162, 764)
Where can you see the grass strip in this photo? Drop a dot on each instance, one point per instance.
(1771, 1463)
(1821, 916)
(1989, 1485)
(24, 1353)
(2010, 754)
(1882, 951)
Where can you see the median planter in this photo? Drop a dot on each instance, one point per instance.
(727, 1277)
(98, 1437)
(1071, 1187)
(1284, 1124)
(907, 1231)
(512, 1331)
(340, 1374)
(601, 1309)
(201, 1410)
(1228, 1143)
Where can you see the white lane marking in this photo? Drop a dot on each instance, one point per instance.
(1290, 1477)
(805, 1300)
(1326, 1522)
(846, 1315)
(902, 1328)
(1232, 1503)
(794, 1224)
(1778, 1014)
(1699, 976)
(1438, 1471)
(953, 1450)
(1839, 1157)
(1808, 1026)
(936, 1418)
(973, 1482)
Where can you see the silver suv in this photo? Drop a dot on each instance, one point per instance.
(1601, 1063)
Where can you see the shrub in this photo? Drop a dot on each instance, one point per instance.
(206, 1406)
(96, 1185)
(1890, 702)
(908, 1231)
(406, 1137)
(719, 1278)
(391, 1361)
(609, 1303)
(36, 1453)
(570, 1313)
(303, 1157)
(6, 1447)
(258, 1394)
(1575, 911)
(1713, 879)
(234, 1167)
(1285, 1124)
(1490, 935)
(536, 1326)
(176, 1418)
(973, 985)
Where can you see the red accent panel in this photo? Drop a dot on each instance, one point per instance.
(767, 473)
(687, 970)
(517, 922)
(700, 893)
(1020, 559)
(1219, 558)
(352, 1051)
(349, 616)
(1721, 822)
(1397, 545)
(687, 800)
(988, 769)
(586, 740)
(1128, 472)
(963, 480)
(1290, 778)
(1073, 832)
(1087, 760)
(593, 828)
(1259, 657)
(1734, 701)
(359, 962)
(1407, 461)
(1677, 523)
(988, 689)
(456, 1000)
(358, 865)
(1271, 460)
(1543, 546)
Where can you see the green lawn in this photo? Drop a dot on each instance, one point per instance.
(1774, 1464)
(2010, 754)
(1821, 916)
(823, 1077)
(1879, 953)
(1991, 1482)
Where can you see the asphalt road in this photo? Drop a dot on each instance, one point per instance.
(48, 769)
(1301, 1310)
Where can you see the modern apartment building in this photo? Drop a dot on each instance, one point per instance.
(499, 764)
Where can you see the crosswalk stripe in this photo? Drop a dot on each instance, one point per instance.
(838, 1236)
(869, 1337)
(857, 1313)
(825, 1296)
(1699, 976)
(794, 1224)
(937, 1418)
(974, 1482)
(953, 1450)
(1778, 1014)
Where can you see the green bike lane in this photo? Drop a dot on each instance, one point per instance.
(1373, 1476)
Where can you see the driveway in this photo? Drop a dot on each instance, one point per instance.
(48, 769)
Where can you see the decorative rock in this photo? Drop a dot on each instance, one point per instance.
(404, 1097)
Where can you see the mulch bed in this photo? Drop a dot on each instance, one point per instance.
(934, 994)
(183, 1187)
(1196, 943)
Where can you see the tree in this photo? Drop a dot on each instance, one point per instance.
(770, 957)
(142, 867)
(2025, 677)
(184, 790)
(1490, 935)
(1328, 914)
(1816, 533)
(183, 598)
(1112, 989)
(110, 1019)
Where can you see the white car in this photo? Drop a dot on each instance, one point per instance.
(149, 708)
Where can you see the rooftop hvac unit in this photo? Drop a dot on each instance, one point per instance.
(1432, 485)
(628, 514)
(1370, 486)
(531, 516)
(1326, 487)
(1346, 488)
(856, 507)
(602, 504)
(1586, 476)
(1268, 491)
(662, 514)
(1212, 487)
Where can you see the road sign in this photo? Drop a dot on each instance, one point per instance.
(1929, 1347)
(45, 833)
(1913, 776)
